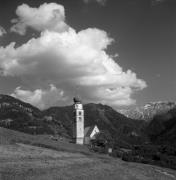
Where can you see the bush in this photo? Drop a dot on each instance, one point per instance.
(117, 153)
(128, 157)
(99, 149)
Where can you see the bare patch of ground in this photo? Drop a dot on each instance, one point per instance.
(26, 162)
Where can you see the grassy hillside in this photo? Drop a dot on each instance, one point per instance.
(8, 136)
(19, 162)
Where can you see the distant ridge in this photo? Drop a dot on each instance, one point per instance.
(149, 110)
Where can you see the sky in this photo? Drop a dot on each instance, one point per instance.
(115, 52)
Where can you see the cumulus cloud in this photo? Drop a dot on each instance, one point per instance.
(68, 59)
(40, 98)
(101, 2)
(48, 16)
(2, 31)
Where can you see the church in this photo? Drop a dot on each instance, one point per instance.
(81, 134)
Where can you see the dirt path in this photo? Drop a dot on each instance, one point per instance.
(25, 162)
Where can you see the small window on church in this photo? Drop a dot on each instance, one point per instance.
(79, 113)
(80, 118)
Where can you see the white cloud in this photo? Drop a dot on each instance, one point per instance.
(101, 2)
(40, 98)
(48, 16)
(68, 59)
(2, 31)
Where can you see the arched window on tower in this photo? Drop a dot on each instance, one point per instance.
(80, 118)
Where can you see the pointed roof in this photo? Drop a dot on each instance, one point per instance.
(88, 130)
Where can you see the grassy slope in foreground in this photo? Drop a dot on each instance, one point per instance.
(19, 162)
(8, 136)
(68, 161)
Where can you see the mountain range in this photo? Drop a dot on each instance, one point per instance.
(157, 122)
(149, 110)
(21, 116)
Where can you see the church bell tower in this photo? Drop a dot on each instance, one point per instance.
(78, 121)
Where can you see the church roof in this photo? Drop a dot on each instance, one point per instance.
(88, 130)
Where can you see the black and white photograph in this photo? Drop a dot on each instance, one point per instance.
(87, 89)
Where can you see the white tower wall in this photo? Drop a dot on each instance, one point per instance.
(79, 117)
